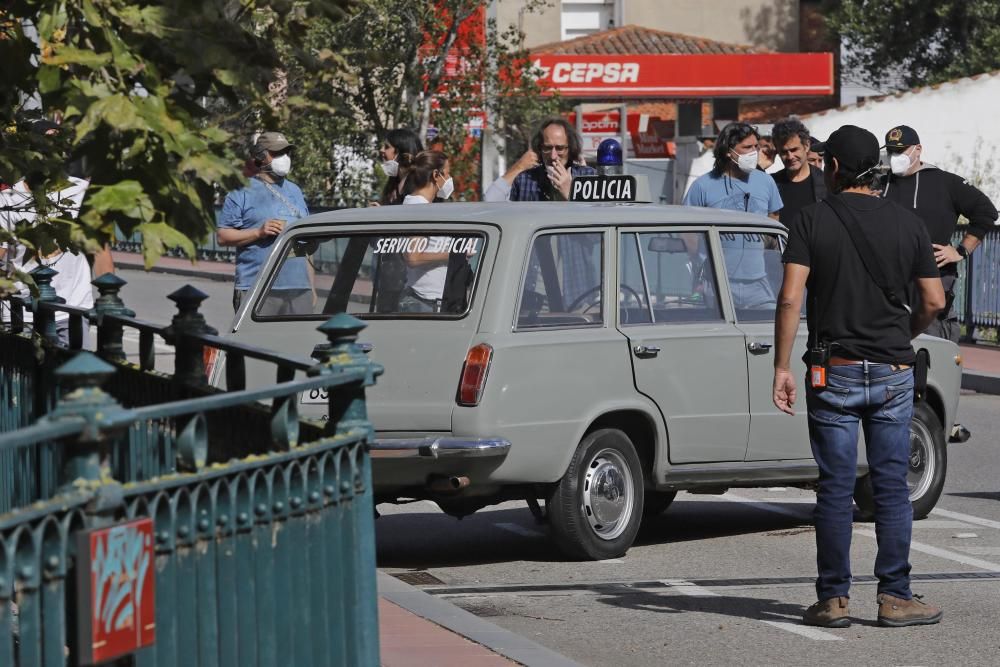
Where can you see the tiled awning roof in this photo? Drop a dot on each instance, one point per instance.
(636, 40)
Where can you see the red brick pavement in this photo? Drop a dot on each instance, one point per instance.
(981, 358)
(407, 640)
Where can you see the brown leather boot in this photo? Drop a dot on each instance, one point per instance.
(896, 612)
(830, 613)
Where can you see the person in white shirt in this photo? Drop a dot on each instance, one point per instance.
(426, 269)
(73, 274)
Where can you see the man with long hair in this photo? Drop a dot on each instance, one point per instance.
(546, 171)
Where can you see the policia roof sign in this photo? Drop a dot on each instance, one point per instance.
(609, 188)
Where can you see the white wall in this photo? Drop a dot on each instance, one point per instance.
(956, 122)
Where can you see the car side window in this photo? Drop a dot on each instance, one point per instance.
(753, 264)
(633, 297)
(680, 282)
(564, 281)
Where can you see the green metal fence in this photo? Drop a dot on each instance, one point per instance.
(260, 535)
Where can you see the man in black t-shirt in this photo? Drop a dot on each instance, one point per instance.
(799, 183)
(938, 197)
(868, 379)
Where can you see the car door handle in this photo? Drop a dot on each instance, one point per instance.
(759, 348)
(646, 350)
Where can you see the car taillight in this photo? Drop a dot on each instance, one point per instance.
(477, 365)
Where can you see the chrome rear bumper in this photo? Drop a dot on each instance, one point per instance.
(439, 448)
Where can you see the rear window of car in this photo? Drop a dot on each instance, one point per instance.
(412, 274)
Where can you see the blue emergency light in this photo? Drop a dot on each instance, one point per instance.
(609, 153)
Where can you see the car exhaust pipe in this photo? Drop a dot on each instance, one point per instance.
(449, 484)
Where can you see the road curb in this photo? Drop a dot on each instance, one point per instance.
(470, 626)
(190, 273)
(984, 383)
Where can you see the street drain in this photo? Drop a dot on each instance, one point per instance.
(420, 578)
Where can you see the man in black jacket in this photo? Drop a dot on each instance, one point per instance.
(799, 183)
(938, 197)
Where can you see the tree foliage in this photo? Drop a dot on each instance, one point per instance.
(408, 63)
(921, 41)
(131, 82)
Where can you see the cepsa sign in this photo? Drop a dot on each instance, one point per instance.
(682, 75)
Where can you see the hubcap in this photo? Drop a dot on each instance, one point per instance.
(922, 464)
(608, 497)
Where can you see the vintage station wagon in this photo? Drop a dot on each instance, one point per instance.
(597, 357)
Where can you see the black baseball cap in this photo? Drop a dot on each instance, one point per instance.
(855, 148)
(901, 137)
(813, 143)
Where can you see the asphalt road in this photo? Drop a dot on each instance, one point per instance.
(721, 580)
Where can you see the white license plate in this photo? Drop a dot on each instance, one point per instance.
(318, 396)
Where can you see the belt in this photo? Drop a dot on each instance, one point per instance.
(840, 361)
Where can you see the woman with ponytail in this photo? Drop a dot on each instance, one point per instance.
(398, 150)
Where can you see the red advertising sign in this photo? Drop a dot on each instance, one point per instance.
(647, 137)
(683, 76)
(116, 591)
(607, 122)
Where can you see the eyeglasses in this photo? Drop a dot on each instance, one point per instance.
(548, 148)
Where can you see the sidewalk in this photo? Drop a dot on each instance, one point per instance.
(176, 266)
(981, 368)
(417, 629)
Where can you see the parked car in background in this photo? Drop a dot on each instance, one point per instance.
(596, 358)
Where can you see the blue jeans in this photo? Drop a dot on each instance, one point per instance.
(411, 303)
(881, 400)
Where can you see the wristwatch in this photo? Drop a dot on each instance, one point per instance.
(962, 251)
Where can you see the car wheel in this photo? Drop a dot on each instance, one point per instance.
(655, 503)
(927, 469)
(595, 509)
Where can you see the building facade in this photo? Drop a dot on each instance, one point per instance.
(769, 24)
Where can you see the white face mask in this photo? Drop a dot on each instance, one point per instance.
(390, 168)
(899, 163)
(747, 162)
(447, 189)
(281, 165)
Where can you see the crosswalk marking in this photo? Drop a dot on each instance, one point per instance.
(914, 546)
(804, 631)
(967, 518)
(940, 553)
(687, 588)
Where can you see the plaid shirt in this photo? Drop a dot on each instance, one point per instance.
(579, 270)
(528, 186)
